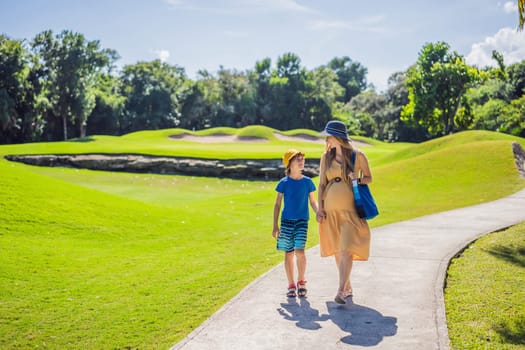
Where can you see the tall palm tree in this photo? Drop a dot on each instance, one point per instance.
(521, 10)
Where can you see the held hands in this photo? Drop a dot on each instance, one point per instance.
(320, 215)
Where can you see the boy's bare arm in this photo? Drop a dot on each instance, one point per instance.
(276, 212)
(313, 202)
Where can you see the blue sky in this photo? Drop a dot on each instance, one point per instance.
(383, 35)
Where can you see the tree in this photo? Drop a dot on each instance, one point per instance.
(516, 74)
(21, 102)
(106, 116)
(12, 70)
(152, 91)
(202, 102)
(323, 92)
(71, 69)
(513, 121)
(238, 99)
(500, 71)
(351, 76)
(436, 85)
(367, 108)
(288, 89)
(260, 78)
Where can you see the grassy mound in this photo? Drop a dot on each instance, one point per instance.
(159, 142)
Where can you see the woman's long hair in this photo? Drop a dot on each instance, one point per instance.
(347, 150)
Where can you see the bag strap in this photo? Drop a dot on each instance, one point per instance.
(352, 159)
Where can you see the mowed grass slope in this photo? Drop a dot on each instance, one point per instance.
(453, 176)
(485, 294)
(85, 269)
(112, 260)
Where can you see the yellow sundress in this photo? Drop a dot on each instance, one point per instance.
(342, 230)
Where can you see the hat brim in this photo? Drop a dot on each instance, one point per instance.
(340, 135)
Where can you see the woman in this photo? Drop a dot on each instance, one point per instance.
(342, 233)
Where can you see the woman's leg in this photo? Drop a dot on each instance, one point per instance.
(345, 267)
(347, 287)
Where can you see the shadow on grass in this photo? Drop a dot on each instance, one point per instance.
(512, 331)
(512, 254)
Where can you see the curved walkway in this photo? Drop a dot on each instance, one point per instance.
(398, 302)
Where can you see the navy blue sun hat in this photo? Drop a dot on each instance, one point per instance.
(335, 128)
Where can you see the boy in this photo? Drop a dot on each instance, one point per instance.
(297, 190)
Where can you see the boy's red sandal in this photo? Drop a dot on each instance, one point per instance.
(291, 291)
(301, 288)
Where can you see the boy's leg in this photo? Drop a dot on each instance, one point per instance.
(301, 231)
(301, 263)
(289, 266)
(300, 236)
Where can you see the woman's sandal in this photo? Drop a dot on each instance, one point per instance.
(348, 293)
(301, 288)
(291, 291)
(340, 297)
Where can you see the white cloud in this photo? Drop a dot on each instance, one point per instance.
(364, 24)
(234, 34)
(174, 2)
(510, 7)
(162, 54)
(509, 42)
(243, 6)
(287, 5)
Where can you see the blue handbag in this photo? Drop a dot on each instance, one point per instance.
(364, 202)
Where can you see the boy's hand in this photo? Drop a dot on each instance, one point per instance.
(275, 232)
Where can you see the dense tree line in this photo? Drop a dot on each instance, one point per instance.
(62, 86)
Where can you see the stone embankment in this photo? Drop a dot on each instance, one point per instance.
(260, 169)
(519, 156)
(250, 169)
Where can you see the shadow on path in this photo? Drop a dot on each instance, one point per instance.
(365, 326)
(305, 316)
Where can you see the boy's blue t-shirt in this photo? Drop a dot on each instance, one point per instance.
(295, 193)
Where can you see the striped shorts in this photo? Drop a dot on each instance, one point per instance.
(292, 234)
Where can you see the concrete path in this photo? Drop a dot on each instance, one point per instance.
(398, 293)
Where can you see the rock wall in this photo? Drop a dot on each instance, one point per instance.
(259, 169)
(519, 157)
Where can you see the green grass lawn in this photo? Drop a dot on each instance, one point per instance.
(485, 293)
(93, 259)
